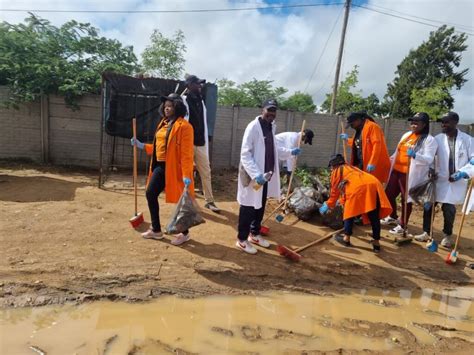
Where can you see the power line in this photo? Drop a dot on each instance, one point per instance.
(271, 7)
(406, 19)
(322, 52)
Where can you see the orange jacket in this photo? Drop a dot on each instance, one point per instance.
(179, 159)
(374, 150)
(359, 194)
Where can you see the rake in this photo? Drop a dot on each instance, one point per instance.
(293, 254)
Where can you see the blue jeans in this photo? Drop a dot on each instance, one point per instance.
(374, 221)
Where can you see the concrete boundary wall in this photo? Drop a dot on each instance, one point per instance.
(49, 131)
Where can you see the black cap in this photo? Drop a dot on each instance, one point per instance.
(308, 136)
(270, 103)
(171, 97)
(420, 117)
(190, 79)
(354, 116)
(336, 160)
(450, 116)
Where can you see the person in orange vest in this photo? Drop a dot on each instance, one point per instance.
(360, 193)
(171, 162)
(368, 147)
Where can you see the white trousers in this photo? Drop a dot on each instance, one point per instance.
(204, 169)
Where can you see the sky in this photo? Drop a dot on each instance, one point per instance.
(294, 47)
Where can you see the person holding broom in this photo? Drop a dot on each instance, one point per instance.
(259, 176)
(361, 194)
(171, 162)
(412, 158)
(290, 140)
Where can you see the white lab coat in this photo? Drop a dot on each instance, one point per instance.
(252, 158)
(204, 113)
(420, 165)
(452, 192)
(288, 140)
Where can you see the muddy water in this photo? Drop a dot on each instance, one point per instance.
(267, 324)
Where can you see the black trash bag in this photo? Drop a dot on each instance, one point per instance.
(333, 218)
(424, 193)
(303, 202)
(185, 216)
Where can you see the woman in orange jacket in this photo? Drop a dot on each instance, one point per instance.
(171, 165)
(360, 193)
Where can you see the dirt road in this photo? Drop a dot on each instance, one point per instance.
(64, 240)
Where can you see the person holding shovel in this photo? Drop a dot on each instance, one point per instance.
(412, 158)
(171, 162)
(259, 176)
(361, 194)
(197, 117)
(290, 140)
(368, 147)
(455, 156)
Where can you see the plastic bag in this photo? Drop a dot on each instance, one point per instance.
(425, 192)
(333, 218)
(185, 216)
(303, 202)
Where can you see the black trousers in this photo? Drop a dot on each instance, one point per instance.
(374, 221)
(449, 213)
(250, 219)
(155, 186)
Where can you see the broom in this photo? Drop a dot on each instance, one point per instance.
(453, 256)
(279, 217)
(344, 143)
(431, 244)
(405, 238)
(293, 254)
(137, 219)
(265, 230)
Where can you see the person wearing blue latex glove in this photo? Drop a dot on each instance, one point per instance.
(260, 179)
(458, 175)
(296, 151)
(187, 181)
(136, 142)
(344, 136)
(411, 153)
(471, 161)
(324, 208)
(370, 168)
(291, 140)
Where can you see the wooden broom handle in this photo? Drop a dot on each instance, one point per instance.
(276, 209)
(466, 205)
(326, 237)
(405, 207)
(433, 205)
(344, 143)
(294, 166)
(134, 124)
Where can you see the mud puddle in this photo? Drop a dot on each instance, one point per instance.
(267, 324)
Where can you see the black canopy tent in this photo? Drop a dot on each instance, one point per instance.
(124, 97)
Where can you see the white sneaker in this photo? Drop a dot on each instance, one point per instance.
(447, 241)
(149, 234)
(246, 246)
(388, 221)
(423, 237)
(397, 230)
(259, 240)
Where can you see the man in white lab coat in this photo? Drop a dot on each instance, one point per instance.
(258, 157)
(455, 153)
(290, 140)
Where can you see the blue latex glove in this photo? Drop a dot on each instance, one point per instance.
(370, 168)
(260, 179)
(344, 136)
(296, 151)
(458, 175)
(187, 181)
(472, 161)
(324, 208)
(411, 153)
(136, 142)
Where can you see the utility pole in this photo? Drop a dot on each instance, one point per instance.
(339, 58)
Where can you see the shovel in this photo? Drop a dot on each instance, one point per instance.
(453, 256)
(137, 219)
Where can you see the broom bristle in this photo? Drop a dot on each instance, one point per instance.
(287, 253)
(452, 257)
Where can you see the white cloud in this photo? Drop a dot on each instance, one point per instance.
(246, 44)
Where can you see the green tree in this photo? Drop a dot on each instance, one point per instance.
(348, 99)
(299, 102)
(433, 61)
(39, 58)
(164, 57)
(248, 94)
(432, 100)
